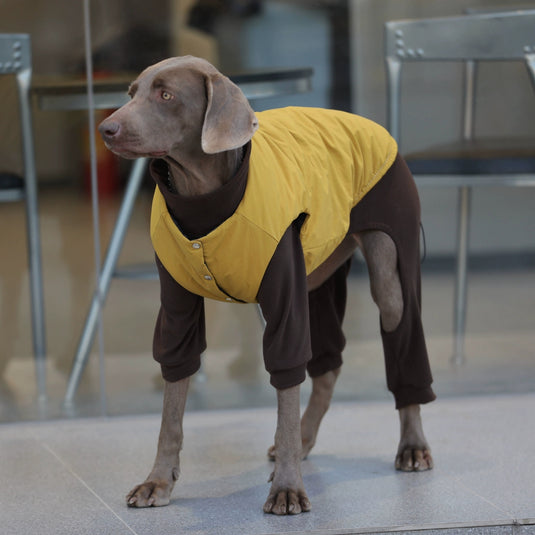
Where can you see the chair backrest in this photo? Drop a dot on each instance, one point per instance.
(508, 35)
(16, 60)
(15, 53)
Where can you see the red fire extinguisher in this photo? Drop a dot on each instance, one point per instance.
(107, 163)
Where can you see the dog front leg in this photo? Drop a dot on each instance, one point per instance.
(287, 495)
(156, 489)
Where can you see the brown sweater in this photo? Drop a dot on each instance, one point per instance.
(304, 330)
(179, 336)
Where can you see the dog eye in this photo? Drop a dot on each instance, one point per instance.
(166, 96)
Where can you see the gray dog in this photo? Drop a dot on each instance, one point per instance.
(269, 208)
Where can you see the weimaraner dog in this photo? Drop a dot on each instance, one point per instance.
(201, 133)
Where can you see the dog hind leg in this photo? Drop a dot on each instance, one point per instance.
(381, 257)
(414, 454)
(318, 405)
(327, 304)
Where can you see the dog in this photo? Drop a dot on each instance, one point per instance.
(269, 208)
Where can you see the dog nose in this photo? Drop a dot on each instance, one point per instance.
(109, 129)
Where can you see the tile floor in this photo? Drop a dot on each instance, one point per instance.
(484, 406)
(70, 476)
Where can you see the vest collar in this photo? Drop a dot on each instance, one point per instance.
(199, 215)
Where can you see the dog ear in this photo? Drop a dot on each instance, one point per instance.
(229, 122)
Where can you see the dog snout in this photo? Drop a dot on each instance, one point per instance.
(109, 129)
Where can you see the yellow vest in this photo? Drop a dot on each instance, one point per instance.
(320, 162)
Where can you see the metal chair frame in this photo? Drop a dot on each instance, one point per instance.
(15, 59)
(470, 38)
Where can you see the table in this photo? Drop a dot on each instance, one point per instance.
(70, 93)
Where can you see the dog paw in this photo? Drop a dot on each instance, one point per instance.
(414, 460)
(414, 454)
(287, 495)
(154, 493)
(287, 502)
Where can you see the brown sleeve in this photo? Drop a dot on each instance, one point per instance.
(179, 335)
(283, 298)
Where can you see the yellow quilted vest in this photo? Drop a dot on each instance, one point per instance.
(320, 162)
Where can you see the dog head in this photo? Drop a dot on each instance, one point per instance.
(180, 105)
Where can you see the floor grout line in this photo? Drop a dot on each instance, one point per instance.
(512, 517)
(76, 476)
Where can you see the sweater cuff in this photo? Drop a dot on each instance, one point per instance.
(324, 363)
(288, 378)
(175, 373)
(406, 396)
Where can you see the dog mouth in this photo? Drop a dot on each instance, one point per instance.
(130, 154)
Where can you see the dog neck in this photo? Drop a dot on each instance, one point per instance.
(199, 175)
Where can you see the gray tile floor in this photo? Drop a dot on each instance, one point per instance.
(70, 477)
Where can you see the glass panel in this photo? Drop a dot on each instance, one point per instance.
(237, 37)
(341, 41)
(57, 46)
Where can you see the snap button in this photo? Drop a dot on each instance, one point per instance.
(196, 245)
(208, 278)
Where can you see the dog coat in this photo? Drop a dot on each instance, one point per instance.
(303, 161)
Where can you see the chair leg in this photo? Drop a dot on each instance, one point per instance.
(459, 325)
(114, 248)
(34, 238)
(261, 316)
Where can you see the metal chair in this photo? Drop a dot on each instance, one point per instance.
(15, 59)
(469, 162)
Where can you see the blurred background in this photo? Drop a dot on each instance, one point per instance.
(342, 41)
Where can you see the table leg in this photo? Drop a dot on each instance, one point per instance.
(114, 248)
(459, 324)
(34, 238)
